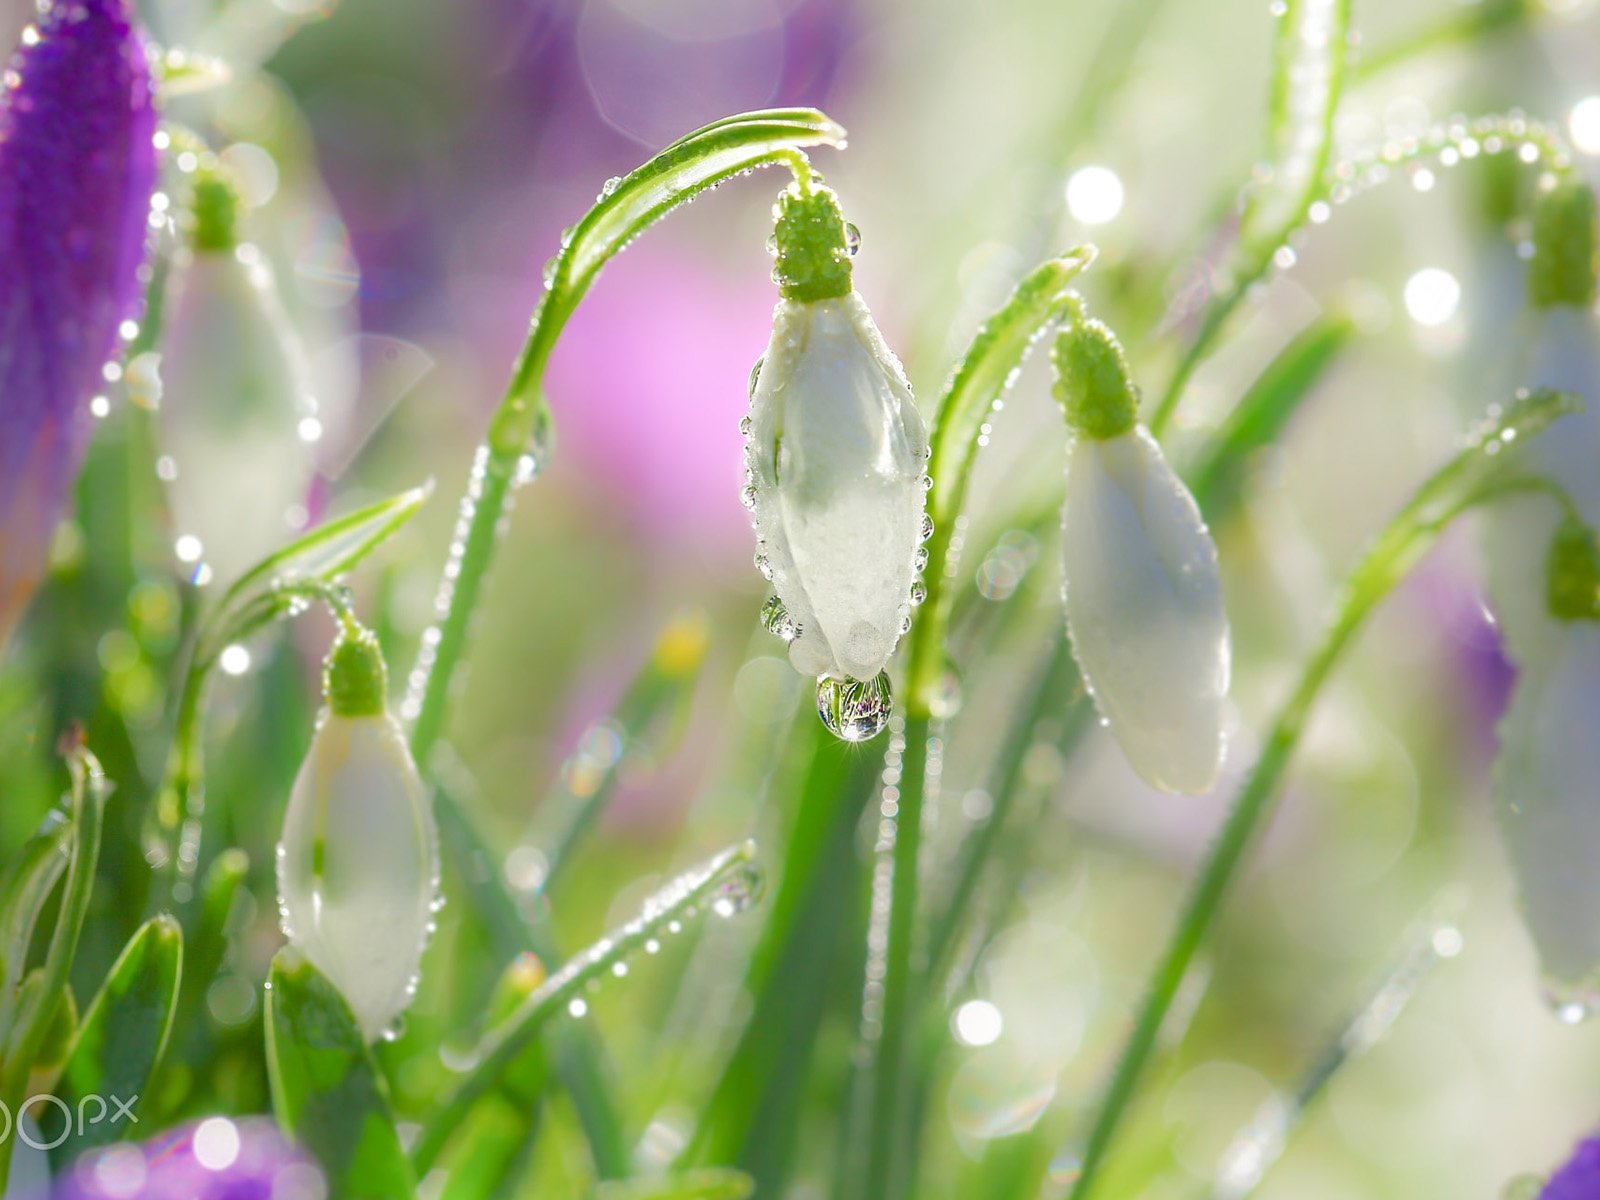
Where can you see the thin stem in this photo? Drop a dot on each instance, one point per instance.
(1470, 478)
(886, 1171)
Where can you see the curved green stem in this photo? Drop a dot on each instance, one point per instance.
(1470, 478)
(625, 208)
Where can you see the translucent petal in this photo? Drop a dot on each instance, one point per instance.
(358, 865)
(1145, 608)
(236, 411)
(1546, 794)
(837, 452)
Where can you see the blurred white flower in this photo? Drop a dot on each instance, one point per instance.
(238, 416)
(358, 863)
(837, 452)
(1140, 579)
(1549, 803)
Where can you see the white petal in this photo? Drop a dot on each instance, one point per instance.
(234, 392)
(1145, 608)
(362, 915)
(838, 452)
(1547, 789)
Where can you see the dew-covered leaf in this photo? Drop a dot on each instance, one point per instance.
(326, 1089)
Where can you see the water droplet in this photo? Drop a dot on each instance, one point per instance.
(748, 497)
(746, 423)
(1572, 1004)
(740, 892)
(927, 483)
(395, 1030)
(919, 560)
(853, 710)
(772, 243)
(551, 267)
(852, 239)
(776, 619)
(764, 565)
(919, 592)
(755, 378)
(927, 526)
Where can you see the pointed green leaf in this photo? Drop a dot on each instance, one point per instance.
(120, 1040)
(326, 1089)
(32, 875)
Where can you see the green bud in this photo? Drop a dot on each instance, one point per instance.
(1092, 381)
(216, 213)
(355, 680)
(1572, 589)
(1564, 265)
(812, 244)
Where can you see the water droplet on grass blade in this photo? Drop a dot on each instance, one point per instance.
(740, 892)
(853, 710)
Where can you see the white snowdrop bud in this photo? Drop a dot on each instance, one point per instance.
(358, 865)
(837, 453)
(1140, 581)
(1545, 779)
(238, 418)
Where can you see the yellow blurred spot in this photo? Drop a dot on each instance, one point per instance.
(683, 645)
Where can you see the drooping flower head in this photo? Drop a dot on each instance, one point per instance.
(77, 168)
(1545, 780)
(1140, 580)
(238, 417)
(836, 452)
(217, 1158)
(358, 864)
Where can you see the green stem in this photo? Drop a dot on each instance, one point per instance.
(887, 1173)
(1468, 479)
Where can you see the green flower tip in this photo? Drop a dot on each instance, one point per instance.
(1563, 268)
(1092, 381)
(1572, 589)
(215, 213)
(812, 243)
(355, 680)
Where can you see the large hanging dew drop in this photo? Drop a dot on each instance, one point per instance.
(852, 710)
(1572, 1004)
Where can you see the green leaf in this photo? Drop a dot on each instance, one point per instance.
(1259, 418)
(316, 560)
(712, 1183)
(120, 1040)
(32, 875)
(689, 166)
(326, 1090)
(1310, 47)
(726, 883)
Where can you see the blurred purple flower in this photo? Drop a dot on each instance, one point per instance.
(217, 1158)
(77, 167)
(1580, 1178)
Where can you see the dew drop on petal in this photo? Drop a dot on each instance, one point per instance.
(777, 621)
(740, 892)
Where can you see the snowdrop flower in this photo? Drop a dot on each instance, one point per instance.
(77, 168)
(1140, 580)
(1545, 780)
(238, 416)
(836, 451)
(358, 865)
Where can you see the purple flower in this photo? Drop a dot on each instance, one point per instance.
(215, 1159)
(1580, 1178)
(77, 166)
